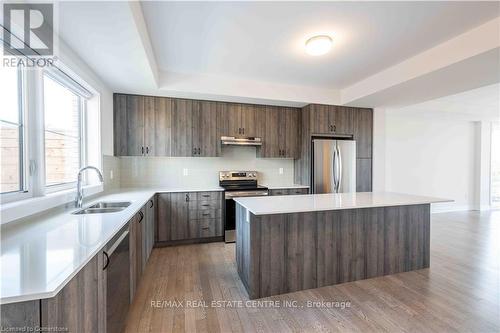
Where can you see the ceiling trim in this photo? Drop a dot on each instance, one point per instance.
(142, 30)
(467, 45)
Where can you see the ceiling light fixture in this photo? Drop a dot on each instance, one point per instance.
(318, 45)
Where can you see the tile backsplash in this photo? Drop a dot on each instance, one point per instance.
(199, 171)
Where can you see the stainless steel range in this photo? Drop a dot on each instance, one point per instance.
(237, 184)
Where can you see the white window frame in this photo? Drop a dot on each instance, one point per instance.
(34, 136)
(83, 94)
(26, 190)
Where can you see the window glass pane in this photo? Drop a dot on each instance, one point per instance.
(62, 133)
(10, 130)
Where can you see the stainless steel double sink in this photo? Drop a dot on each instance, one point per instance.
(103, 207)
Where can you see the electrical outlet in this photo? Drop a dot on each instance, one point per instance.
(185, 172)
(111, 174)
(280, 171)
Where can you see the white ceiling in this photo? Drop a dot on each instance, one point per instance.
(264, 40)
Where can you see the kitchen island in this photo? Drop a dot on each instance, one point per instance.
(291, 243)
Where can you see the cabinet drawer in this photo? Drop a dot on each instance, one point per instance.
(295, 191)
(280, 191)
(202, 228)
(205, 214)
(204, 205)
(204, 196)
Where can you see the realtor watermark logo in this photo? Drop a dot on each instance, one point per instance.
(28, 34)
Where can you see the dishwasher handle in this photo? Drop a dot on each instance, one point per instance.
(106, 257)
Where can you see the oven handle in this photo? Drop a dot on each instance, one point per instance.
(230, 196)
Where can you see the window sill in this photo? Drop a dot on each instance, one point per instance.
(18, 209)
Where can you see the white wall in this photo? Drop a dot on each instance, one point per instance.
(427, 155)
(202, 171)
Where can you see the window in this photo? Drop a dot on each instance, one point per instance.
(64, 154)
(49, 128)
(12, 131)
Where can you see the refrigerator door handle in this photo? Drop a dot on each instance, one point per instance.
(335, 170)
(339, 169)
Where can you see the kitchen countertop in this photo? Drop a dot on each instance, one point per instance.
(286, 187)
(332, 201)
(41, 253)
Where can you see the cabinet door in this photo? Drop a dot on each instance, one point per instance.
(363, 132)
(135, 125)
(205, 129)
(160, 144)
(271, 138)
(150, 222)
(163, 219)
(76, 306)
(249, 120)
(319, 121)
(290, 139)
(120, 124)
(233, 120)
(149, 125)
(363, 175)
(341, 120)
(182, 143)
(179, 216)
(135, 241)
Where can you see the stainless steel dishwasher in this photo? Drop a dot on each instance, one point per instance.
(117, 269)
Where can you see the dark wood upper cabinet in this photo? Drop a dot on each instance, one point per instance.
(204, 122)
(129, 125)
(182, 124)
(160, 141)
(331, 119)
(281, 132)
(363, 132)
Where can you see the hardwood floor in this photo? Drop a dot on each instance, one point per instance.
(459, 292)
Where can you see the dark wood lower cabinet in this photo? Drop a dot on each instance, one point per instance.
(188, 216)
(75, 307)
(21, 314)
(288, 191)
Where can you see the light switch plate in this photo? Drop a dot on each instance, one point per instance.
(280, 171)
(185, 172)
(111, 174)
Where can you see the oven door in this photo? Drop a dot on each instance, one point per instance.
(230, 211)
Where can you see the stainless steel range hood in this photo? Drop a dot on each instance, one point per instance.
(234, 141)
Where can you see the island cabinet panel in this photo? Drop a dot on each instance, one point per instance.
(281, 253)
(75, 307)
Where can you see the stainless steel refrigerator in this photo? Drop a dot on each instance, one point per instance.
(333, 165)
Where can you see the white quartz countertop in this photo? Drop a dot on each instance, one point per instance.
(40, 254)
(332, 201)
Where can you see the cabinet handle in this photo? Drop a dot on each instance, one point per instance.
(106, 256)
(334, 128)
(142, 150)
(147, 150)
(239, 130)
(152, 204)
(205, 228)
(206, 214)
(199, 151)
(206, 205)
(194, 151)
(187, 197)
(141, 214)
(243, 130)
(206, 195)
